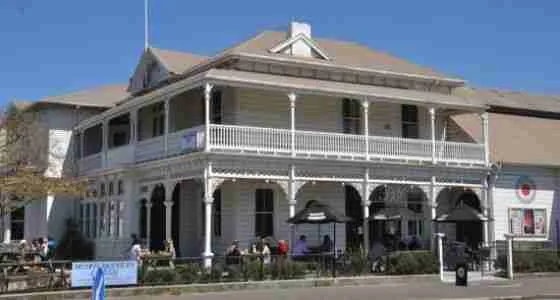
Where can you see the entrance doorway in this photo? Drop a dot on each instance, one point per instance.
(157, 222)
(354, 230)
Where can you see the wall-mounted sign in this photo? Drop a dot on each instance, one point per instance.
(527, 221)
(525, 189)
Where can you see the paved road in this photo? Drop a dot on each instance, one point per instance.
(396, 291)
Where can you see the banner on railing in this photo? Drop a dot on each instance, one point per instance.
(189, 141)
(114, 273)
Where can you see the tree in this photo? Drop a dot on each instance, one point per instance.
(28, 158)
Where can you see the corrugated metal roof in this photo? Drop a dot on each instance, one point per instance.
(517, 139)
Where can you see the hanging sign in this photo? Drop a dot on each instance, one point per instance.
(316, 216)
(527, 221)
(525, 189)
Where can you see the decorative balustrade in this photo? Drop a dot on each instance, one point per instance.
(91, 162)
(150, 149)
(275, 141)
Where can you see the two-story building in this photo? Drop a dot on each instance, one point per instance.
(55, 117)
(207, 150)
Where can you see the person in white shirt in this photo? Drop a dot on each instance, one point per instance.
(135, 252)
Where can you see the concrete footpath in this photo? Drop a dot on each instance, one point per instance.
(377, 287)
(533, 288)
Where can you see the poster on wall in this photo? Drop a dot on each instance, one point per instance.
(527, 221)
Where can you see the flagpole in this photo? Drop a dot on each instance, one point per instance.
(145, 24)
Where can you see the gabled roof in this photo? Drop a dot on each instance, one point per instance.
(175, 61)
(103, 96)
(517, 139)
(340, 53)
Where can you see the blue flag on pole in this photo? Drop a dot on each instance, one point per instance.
(98, 287)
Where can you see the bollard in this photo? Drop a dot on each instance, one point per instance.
(509, 238)
(440, 236)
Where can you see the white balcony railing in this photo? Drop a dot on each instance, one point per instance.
(275, 141)
(120, 155)
(91, 162)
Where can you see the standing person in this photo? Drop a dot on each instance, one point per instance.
(135, 252)
(300, 248)
(266, 255)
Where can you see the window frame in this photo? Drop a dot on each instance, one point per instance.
(19, 222)
(351, 116)
(406, 111)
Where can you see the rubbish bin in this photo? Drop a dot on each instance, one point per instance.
(461, 275)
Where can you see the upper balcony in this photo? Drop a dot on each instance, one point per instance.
(240, 120)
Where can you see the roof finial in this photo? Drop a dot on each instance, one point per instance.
(145, 24)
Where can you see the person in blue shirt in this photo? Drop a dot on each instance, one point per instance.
(300, 248)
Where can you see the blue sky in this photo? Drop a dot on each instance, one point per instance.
(57, 46)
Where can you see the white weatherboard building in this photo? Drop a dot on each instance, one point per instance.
(207, 150)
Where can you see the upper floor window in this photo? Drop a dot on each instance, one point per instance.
(264, 212)
(120, 187)
(102, 190)
(351, 116)
(17, 223)
(409, 119)
(158, 119)
(111, 188)
(215, 107)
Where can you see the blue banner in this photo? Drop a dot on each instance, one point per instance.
(98, 289)
(114, 273)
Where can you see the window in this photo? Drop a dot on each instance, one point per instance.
(111, 188)
(217, 216)
(18, 223)
(415, 227)
(82, 218)
(158, 119)
(110, 215)
(528, 221)
(414, 201)
(409, 118)
(150, 75)
(86, 220)
(94, 221)
(216, 108)
(101, 219)
(351, 116)
(102, 190)
(264, 212)
(118, 213)
(120, 187)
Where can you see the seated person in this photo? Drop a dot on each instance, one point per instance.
(233, 254)
(327, 245)
(300, 248)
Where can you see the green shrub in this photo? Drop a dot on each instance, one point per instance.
(189, 273)
(286, 269)
(161, 277)
(531, 261)
(412, 262)
(356, 264)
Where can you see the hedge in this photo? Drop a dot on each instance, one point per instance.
(412, 262)
(531, 261)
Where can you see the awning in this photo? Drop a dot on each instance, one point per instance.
(339, 89)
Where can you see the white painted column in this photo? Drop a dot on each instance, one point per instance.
(207, 96)
(208, 202)
(509, 238)
(365, 117)
(148, 222)
(292, 97)
(166, 126)
(292, 191)
(484, 195)
(365, 206)
(440, 253)
(7, 219)
(82, 145)
(168, 208)
(433, 133)
(433, 210)
(105, 142)
(484, 119)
